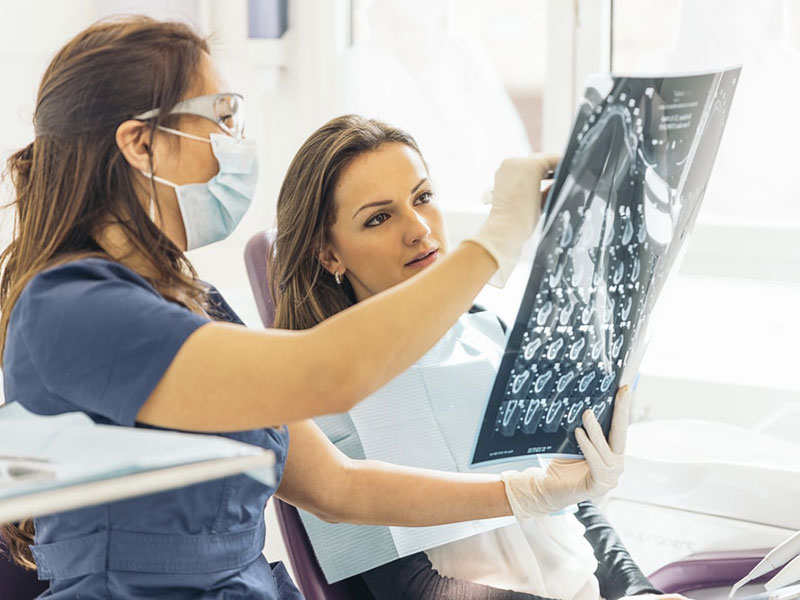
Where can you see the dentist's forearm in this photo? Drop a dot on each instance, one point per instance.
(387, 333)
(228, 378)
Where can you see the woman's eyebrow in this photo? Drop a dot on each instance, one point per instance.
(385, 202)
(372, 204)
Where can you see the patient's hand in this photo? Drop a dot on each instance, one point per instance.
(535, 492)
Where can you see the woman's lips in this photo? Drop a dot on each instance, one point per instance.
(424, 260)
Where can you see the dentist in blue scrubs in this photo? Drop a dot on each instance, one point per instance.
(138, 156)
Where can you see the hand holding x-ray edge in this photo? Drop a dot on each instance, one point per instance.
(536, 492)
(513, 216)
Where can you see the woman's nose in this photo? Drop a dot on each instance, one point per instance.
(416, 228)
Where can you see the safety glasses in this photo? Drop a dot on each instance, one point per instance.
(226, 110)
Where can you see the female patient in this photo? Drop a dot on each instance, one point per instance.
(357, 215)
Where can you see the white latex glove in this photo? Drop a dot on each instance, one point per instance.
(536, 492)
(516, 207)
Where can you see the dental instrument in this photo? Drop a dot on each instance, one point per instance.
(776, 558)
(786, 576)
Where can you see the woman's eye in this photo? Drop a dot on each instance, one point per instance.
(424, 198)
(377, 220)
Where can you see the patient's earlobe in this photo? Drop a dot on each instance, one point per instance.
(330, 261)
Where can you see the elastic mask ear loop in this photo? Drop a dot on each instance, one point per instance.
(153, 177)
(151, 209)
(183, 134)
(174, 186)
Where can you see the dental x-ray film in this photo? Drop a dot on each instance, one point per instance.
(626, 195)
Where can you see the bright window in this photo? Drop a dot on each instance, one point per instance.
(465, 78)
(728, 322)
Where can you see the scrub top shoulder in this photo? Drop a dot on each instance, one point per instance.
(93, 336)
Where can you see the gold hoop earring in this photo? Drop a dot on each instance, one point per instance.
(338, 278)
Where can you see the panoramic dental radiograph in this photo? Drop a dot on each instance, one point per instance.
(625, 197)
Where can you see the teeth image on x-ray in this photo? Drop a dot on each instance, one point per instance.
(531, 349)
(552, 421)
(574, 416)
(532, 417)
(626, 195)
(554, 349)
(521, 383)
(599, 408)
(576, 350)
(585, 382)
(543, 383)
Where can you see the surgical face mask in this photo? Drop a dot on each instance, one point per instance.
(212, 210)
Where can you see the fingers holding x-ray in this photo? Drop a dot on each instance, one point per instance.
(604, 467)
(595, 434)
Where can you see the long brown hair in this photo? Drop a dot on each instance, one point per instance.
(304, 292)
(72, 179)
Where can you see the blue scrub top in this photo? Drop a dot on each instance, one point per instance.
(93, 336)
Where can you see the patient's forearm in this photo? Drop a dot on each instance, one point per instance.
(379, 493)
(319, 478)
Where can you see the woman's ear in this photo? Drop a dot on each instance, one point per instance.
(133, 140)
(330, 260)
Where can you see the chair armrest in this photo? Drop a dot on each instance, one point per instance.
(707, 570)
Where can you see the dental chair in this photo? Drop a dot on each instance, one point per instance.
(695, 572)
(704, 571)
(256, 252)
(307, 571)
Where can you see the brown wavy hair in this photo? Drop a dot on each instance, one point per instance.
(72, 180)
(305, 293)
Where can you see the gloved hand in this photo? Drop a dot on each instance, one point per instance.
(536, 492)
(516, 207)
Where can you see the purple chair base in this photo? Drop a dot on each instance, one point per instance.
(707, 570)
(309, 575)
